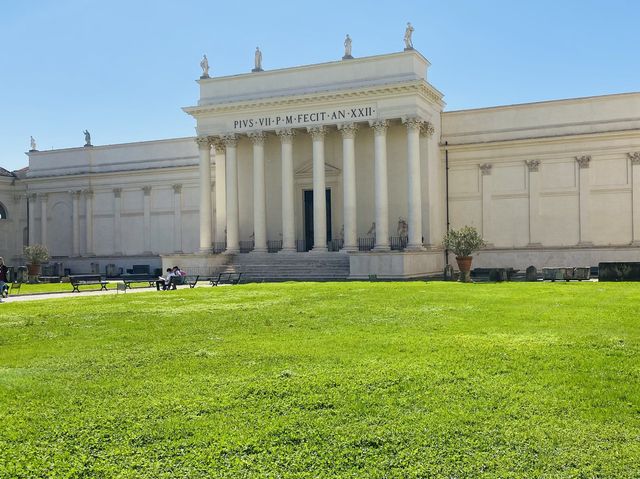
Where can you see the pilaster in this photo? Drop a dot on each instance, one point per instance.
(534, 202)
(584, 188)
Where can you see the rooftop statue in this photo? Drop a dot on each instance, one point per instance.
(258, 61)
(33, 144)
(87, 138)
(204, 64)
(408, 42)
(347, 48)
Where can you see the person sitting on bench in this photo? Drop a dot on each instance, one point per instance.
(177, 278)
(164, 281)
(4, 287)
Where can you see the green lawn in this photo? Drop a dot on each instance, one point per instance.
(348, 380)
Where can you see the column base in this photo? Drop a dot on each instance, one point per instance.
(349, 249)
(208, 250)
(319, 249)
(415, 247)
(232, 251)
(259, 250)
(288, 250)
(383, 248)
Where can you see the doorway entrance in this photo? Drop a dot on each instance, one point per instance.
(308, 217)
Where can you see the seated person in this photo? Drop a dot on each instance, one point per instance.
(164, 281)
(4, 287)
(178, 277)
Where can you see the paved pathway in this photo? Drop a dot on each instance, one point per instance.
(83, 294)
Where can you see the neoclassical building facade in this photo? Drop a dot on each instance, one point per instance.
(352, 159)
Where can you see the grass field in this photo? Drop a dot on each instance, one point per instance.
(348, 380)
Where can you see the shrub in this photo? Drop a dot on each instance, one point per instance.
(36, 254)
(464, 241)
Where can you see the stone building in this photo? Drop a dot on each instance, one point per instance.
(339, 170)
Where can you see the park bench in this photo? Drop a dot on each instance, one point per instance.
(87, 279)
(15, 288)
(127, 279)
(191, 281)
(225, 278)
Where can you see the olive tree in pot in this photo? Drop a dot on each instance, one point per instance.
(463, 243)
(35, 255)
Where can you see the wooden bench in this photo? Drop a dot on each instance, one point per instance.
(15, 287)
(127, 279)
(85, 280)
(225, 278)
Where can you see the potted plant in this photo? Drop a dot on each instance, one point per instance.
(35, 255)
(463, 243)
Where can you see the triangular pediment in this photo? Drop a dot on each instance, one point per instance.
(306, 170)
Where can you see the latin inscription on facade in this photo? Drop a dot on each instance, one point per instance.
(306, 118)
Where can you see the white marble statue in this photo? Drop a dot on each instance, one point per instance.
(372, 230)
(87, 138)
(204, 64)
(347, 47)
(33, 144)
(408, 42)
(258, 60)
(403, 227)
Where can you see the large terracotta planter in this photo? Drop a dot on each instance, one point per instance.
(464, 265)
(34, 269)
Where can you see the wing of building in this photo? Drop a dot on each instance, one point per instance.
(344, 169)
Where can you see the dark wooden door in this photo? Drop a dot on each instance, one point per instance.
(308, 217)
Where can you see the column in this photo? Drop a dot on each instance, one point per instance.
(32, 219)
(348, 131)
(288, 219)
(319, 190)
(75, 223)
(431, 199)
(204, 151)
(534, 202)
(487, 187)
(233, 212)
(221, 194)
(88, 207)
(259, 193)
(117, 223)
(381, 190)
(635, 197)
(414, 200)
(177, 218)
(584, 182)
(146, 218)
(43, 218)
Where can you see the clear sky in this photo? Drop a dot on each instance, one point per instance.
(123, 68)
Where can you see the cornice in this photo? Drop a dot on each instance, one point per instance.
(518, 142)
(419, 87)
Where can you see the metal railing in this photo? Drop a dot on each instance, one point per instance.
(246, 246)
(273, 246)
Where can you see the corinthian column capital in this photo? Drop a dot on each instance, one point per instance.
(286, 135)
(230, 140)
(317, 132)
(583, 161)
(634, 157)
(379, 126)
(348, 130)
(257, 137)
(203, 142)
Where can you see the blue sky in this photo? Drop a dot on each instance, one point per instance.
(123, 69)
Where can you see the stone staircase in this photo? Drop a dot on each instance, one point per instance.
(258, 267)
